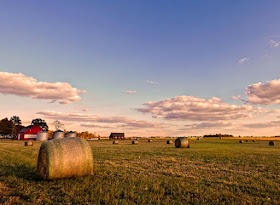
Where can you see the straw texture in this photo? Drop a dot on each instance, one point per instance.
(62, 158)
(182, 142)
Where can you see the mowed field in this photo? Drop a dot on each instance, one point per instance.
(212, 171)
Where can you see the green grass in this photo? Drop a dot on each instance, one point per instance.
(210, 172)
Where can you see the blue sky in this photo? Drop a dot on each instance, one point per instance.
(191, 48)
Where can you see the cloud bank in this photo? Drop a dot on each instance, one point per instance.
(88, 120)
(21, 85)
(264, 93)
(188, 108)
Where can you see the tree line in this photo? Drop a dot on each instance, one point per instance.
(10, 128)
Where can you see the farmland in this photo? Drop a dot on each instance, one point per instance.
(212, 171)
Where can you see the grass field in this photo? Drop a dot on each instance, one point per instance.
(212, 171)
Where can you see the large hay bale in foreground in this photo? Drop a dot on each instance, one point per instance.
(67, 157)
(271, 143)
(28, 143)
(115, 142)
(182, 142)
(169, 142)
(134, 142)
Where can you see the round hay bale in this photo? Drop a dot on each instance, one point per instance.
(271, 143)
(246, 140)
(169, 142)
(62, 158)
(28, 143)
(115, 142)
(182, 142)
(149, 140)
(241, 141)
(134, 142)
(197, 139)
(220, 138)
(253, 140)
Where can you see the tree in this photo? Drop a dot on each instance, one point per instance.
(41, 123)
(6, 127)
(16, 124)
(58, 125)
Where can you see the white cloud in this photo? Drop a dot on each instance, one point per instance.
(274, 44)
(152, 82)
(88, 120)
(130, 91)
(243, 60)
(188, 108)
(236, 97)
(264, 93)
(21, 85)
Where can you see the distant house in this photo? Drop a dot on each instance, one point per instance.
(29, 132)
(116, 136)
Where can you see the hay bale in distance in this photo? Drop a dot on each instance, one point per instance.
(134, 142)
(253, 140)
(241, 141)
(28, 143)
(197, 139)
(246, 140)
(115, 142)
(182, 142)
(62, 158)
(169, 142)
(149, 140)
(271, 143)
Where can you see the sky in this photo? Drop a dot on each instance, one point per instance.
(146, 68)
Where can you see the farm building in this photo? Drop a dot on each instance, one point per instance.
(29, 132)
(116, 136)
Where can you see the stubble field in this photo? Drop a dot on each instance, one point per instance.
(212, 171)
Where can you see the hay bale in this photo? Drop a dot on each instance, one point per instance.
(197, 139)
(169, 142)
(62, 158)
(241, 141)
(182, 142)
(28, 143)
(246, 140)
(134, 142)
(149, 140)
(115, 142)
(220, 138)
(253, 140)
(271, 143)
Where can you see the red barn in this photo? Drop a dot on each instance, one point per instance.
(29, 132)
(116, 136)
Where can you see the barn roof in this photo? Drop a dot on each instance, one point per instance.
(117, 134)
(27, 128)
